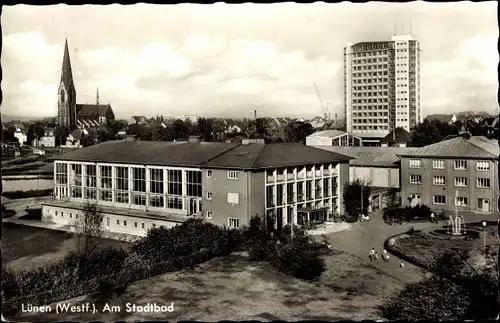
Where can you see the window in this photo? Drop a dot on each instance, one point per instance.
(108, 222)
(233, 222)
(209, 195)
(117, 222)
(460, 201)
(483, 183)
(135, 224)
(439, 180)
(193, 183)
(142, 225)
(121, 184)
(483, 165)
(174, 182)
(209, 214)
(438, 164)
(106, 193)
(138, 186)
(460, 164)
(415, 163)
(233, 198)
(90, 182)
(124, 223)
(70, 215)
(153, 225)
(156, 184)
(209, 174)
(415, 179)
(57, 213)
(439, 199)
(461, 181)
(76, 216)
(76, 180)
(61, 173)
(233, 174)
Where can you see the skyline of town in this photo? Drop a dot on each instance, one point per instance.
(211, 71)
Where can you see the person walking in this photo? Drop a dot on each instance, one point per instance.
(433, 218)
(376, 256)
(385, 256)
(372, 254)
(402, 265)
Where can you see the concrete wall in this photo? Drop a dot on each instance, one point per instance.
(427, 189)
(377, 176)
(68, 216)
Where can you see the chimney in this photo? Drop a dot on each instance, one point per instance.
(255, 114)
(130, 138)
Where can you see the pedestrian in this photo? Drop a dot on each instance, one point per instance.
(433, 217)
(402, 265)
(372, 254)
(385, 256)
(376, 256)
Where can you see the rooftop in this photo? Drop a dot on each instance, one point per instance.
(204, 154)
(398, 135)
(478, 147)
(371, 156)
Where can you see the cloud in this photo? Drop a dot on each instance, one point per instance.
(230, 60)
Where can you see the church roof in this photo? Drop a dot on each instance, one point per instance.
(92, 110)
(67, 74)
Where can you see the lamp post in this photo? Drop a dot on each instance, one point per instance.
(484, 223)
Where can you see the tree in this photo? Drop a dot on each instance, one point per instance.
(261, 125)
(61, 133)
(297, 131)
(8, 133)
(137, 119)
(35, 131)
(88, 140)
(353, 194)
(180, 129)
(431, 132)
(392, 200)
(204, 127)
(89, 229)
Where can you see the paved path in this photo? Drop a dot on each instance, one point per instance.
(362, 237)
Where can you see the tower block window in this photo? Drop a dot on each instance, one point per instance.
(63, 96)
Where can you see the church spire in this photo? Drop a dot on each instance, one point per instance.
(97, 97)
(66, 74)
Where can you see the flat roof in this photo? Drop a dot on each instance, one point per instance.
(371, 156)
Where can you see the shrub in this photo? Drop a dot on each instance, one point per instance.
(33, 214)
(162, 244)
(299, 259)
(27, 194)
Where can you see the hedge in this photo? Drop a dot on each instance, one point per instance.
(393, 249)
(33, 214)
(14, 195)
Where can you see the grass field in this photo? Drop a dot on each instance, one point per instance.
(238, 289)
(29, 247)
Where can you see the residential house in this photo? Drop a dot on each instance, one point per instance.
(48, 140)
(399, 137)
(21, 135)
(74, 139)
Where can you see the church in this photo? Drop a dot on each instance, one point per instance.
(73, 115)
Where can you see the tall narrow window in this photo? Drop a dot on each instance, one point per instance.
(138, 186)
(106, 180)
(91, 182)
(121, 185)
(156, 183)
(76, 180)
(193, 183)
(174, 189)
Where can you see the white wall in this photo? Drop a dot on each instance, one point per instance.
(318, 141)
(377, 176)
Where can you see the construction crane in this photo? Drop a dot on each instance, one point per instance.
(324, 107)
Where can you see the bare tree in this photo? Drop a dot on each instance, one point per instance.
(89, 228)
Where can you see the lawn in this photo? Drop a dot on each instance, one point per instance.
(238, 289)
(28, 247)
(424, 247)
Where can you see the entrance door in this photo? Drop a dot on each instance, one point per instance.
(193, 207)
(486, 205)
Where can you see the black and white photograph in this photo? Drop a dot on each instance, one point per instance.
(265, 162)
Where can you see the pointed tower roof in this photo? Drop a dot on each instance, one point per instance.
(67, 73)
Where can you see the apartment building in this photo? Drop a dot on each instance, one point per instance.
(457, 174)
(138, 185)
(382, 87)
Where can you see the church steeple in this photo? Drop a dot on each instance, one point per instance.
(66, 93)
(67, 73)
(97, 97)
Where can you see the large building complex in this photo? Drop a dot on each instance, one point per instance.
(141, 184)
(382, 87)
(456, 174)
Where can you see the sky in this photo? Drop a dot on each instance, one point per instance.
(229, 60)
